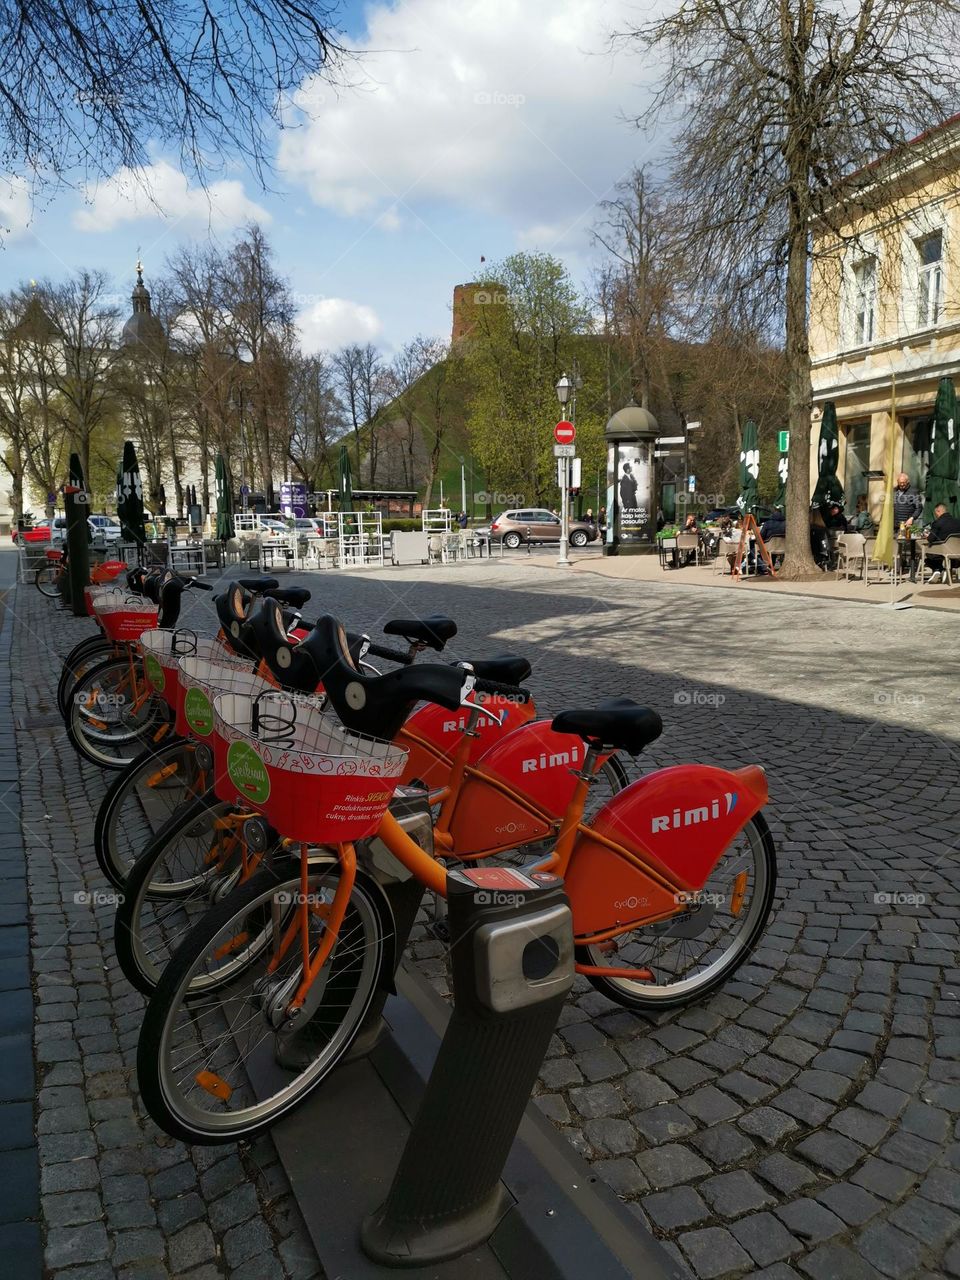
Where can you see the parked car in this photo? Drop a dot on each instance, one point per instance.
(533, 524)
(38, 532)
(308, 526)
(105, 529)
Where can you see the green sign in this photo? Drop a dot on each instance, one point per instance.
(784, 438)
(154, 672)
(199, 713)
(247, 772)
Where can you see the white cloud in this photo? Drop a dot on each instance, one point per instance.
(15, 205)
(497, 106)
(329, 323)
(161, 191)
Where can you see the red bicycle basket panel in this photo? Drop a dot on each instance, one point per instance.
(107, 571)
(311, 779)
(201, 676)
(161, 649)
(128, 620)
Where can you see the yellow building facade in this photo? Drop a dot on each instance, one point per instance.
(885, 313)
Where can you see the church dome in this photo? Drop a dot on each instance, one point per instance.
(143, 329)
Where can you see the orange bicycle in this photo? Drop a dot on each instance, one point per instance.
(670, 882)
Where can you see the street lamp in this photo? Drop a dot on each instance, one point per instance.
(565, 388)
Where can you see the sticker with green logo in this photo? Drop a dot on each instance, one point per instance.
(247, 772)
(154, 672)
(199, 713)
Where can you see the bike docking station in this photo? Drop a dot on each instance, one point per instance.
(425, 1153)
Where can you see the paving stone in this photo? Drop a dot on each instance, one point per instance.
(851, 1203)
(70, 1246)
(931, 1224)
(622, 1174)
(785, 1174)
(746, 1087)
(670, 1164)
(714, 1252)
(246, 1241)
(882, 1099)
(709, 1105)
(809, 1221)
(862, 1126)
(137, 1246)
(191, 1247)
(596, 1100)
(892, 1252)
(678, 1207)
(830, 1151)
(664, 1123)
(735, 1193)
(723, 1145)
(765, 1238)
(611, 1137)
(600, 1064)
(886, 1180)
(645, 1089)
(768, 1124)
(836, 1262)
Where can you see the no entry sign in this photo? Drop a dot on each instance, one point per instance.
(564, 433)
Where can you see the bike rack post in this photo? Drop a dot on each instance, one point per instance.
(512, 959)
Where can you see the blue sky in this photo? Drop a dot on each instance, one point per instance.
(468, 129)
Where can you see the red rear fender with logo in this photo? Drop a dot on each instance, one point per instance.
(676, 822)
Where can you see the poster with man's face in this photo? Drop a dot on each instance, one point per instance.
(629, 470)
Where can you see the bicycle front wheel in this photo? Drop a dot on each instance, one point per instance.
(225, 1064)
(112, 716)
(693, 953)
(77, 663)
(140, 801)
(191, 865)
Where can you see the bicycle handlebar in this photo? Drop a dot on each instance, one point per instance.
(512, 691)
(389, 655)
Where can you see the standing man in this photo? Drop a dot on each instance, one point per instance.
(628, 488)
(907, 509)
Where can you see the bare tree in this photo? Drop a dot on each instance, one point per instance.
(86, 88)
(778, 106)
(87, 325)
(362, 387)
(316, 418)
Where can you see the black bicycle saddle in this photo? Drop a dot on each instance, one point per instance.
(434, 632)
(619, 723)
(264, 632)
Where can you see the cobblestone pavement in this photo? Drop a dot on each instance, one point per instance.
(119, 1199)
(801, 1122)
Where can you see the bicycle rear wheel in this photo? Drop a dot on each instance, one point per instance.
(692, 954)
(216, 1068)
(111, 717)
(47, 580)
(141, 800)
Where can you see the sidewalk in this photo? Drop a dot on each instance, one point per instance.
(825, 587)
(119, 1198)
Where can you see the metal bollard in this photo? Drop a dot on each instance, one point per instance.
(512, 958)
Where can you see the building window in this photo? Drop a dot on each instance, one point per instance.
(856, 464)
(864, 301)
(930, 279)
(915, 459)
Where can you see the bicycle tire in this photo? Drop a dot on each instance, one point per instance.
(93, 742)
(152, 917)
(47, 579)
(341, 1016)
(110, 846)
(644, 998)
(77, 662)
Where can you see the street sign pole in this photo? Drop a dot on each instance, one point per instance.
(564, 559)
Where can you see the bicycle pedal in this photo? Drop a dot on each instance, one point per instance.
(440, 930)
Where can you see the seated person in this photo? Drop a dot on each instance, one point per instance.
(819, 539)
(833, 517)
(944, 526)
(774, 526)
(862, 521)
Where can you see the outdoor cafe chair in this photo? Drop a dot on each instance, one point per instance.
(776, 547)
(688, 542)
(871, 564)
(850, 554)
(950, 550)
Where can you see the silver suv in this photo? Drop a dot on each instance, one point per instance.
(534, 524)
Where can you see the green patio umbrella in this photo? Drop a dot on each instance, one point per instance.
(130, 503)
(224, 501)
(941, 483)
(829, 489)
(783, 470)
(749, 469)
